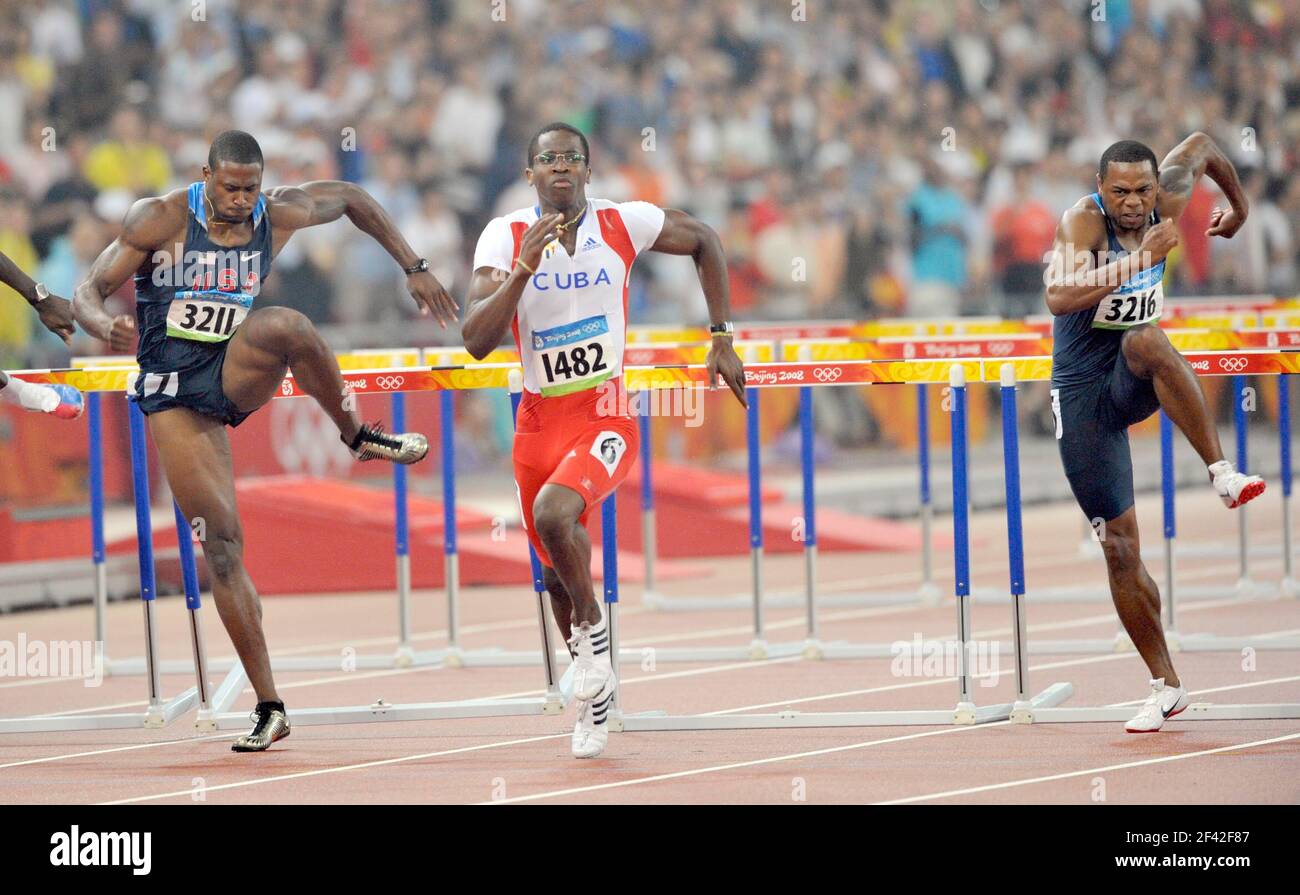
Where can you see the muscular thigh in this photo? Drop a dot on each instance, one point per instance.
(1094, 451)
(195, 454)
(1132, 397)
(257, 357)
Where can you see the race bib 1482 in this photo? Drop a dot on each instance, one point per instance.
(207, 316)
(573, 357)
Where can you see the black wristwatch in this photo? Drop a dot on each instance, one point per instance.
(421, 266)
(722, 329)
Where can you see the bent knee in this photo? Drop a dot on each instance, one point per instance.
(552, 521)
(224, 552)
(553, 584)
(284, 326)
(1146, 348)
(1122, 552)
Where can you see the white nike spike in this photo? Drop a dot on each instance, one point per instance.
(1163, 703)
(1235, 488)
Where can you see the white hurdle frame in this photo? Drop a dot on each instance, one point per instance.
(965, 712)
(160, 711)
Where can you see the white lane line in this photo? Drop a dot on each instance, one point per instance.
(337, 770)
(712, 669)
(1101, 770)
(194, 739)
(1275, 680)
(927, 682)
(695, 772)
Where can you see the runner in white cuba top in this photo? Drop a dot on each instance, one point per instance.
(555, 275)
(571, 322)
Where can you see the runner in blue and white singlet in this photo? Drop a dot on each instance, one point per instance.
(208, 357)
(1112, 367)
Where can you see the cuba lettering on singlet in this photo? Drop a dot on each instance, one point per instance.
(1138, 301)
(571, 322)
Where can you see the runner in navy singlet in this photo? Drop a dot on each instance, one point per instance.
(1112, 367)
(208, 358)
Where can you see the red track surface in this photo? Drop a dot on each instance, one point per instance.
(528, 758)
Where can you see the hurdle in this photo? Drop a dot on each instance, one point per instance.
(160, 712)
(403, 656)
(213, 702)
(1172, 592)
(1037, 711)
(557, 694)
(927, 592)
(1246, 586)
(965, 712)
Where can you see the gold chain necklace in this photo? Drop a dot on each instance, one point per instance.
(569, 224)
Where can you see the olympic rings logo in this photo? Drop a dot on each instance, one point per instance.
(1232, 364)
(828, 374)
(1001, 349)
(389, 383)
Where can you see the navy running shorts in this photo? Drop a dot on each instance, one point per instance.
(197, 385)
(1092, 421)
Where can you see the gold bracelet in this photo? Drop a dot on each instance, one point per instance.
(520, 262)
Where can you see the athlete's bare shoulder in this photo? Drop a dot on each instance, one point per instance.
(155, 221)
(1083, 226)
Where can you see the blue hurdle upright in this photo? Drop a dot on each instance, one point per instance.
(966, 711)
(159, 711)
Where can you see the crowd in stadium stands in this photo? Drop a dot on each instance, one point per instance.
(860, 158)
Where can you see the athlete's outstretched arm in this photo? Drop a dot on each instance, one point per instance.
(1185, 163)
(55, 312)
(147, 225)
(494, 293)
(1074, 282)
(322, 201)
(684, 235)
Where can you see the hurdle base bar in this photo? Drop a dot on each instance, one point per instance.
(367, 662)
(58, 723)
(755, 651)
(1026, 710)
(962, 714)
(1197, 711)
(1186, 643)
(222, 699)
(789, 600)
(1091, 549)
(1091, 594)
(159, 714)
(423, 711)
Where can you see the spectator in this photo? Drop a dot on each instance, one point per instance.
(937, 213)
(433, 230)
(1023, 230)
(128, 160)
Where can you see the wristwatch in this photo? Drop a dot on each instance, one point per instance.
(41, 293)
(419, 267)
(727, 328)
